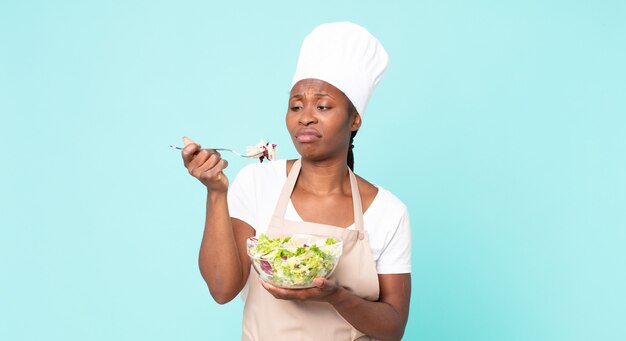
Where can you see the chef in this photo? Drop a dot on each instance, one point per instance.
(367, 296)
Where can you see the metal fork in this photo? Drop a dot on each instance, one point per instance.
(222, 149)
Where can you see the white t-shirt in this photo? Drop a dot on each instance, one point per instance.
(253, 195)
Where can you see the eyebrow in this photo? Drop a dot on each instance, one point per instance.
(318, 94)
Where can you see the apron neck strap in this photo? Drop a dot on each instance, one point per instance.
(356, 202)
(290, 183)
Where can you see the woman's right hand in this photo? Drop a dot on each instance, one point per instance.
(205, 165)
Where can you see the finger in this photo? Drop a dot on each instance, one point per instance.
(210, 163)
(270, 288)
(189, 152)
(273, 290)
(263, 283)
(199, 159)
(216, 171)
(324, 286)
(319, 282)
(291, 294)
(187, 140)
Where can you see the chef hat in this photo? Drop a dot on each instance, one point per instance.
(345, 55)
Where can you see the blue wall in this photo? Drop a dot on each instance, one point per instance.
(501, 124)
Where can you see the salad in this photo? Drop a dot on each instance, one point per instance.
(262, 150)
(293, 262)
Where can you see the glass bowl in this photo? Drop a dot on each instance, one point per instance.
(293, 261)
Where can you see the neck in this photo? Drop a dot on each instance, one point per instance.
(324, 177)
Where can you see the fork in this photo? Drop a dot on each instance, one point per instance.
(222, 149)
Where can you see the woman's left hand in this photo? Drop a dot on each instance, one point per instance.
(323, 291)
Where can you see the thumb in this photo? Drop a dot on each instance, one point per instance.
(322, 283)
(187, 140)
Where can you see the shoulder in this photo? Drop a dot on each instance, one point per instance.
(390, 202)
(381, 197)
(367, 189)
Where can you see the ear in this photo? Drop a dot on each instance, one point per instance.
(356, 122)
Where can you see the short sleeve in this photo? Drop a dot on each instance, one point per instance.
(395, 258)
(241, 197)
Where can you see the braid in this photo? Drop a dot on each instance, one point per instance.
(351, 110)
(350, 152)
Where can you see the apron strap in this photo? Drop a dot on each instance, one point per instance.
(290, 183)
(285, 194)
(356, 202)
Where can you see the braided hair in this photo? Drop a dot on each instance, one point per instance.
(350, 152)
(351, 111)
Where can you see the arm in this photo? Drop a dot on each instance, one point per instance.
(222, 260)
(384, 319)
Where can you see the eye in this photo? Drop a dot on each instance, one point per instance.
(322, 108)
(295, 108)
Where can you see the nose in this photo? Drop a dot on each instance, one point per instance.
(307, 116)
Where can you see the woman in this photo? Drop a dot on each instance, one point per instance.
(368, 294)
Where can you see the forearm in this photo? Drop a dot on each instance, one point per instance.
(219, 261)
(379, 320)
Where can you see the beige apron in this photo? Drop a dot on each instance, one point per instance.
(267, 318)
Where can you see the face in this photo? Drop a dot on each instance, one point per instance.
(320, 120)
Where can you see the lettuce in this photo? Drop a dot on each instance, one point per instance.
(290, 263)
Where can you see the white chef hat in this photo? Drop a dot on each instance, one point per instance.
(345, 55)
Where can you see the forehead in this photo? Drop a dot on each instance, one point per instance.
(311, 85)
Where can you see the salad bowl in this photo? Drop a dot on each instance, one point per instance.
(294, 261)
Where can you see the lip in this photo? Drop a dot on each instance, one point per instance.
(308, 135)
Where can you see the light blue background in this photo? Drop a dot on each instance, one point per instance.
(501, 124)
